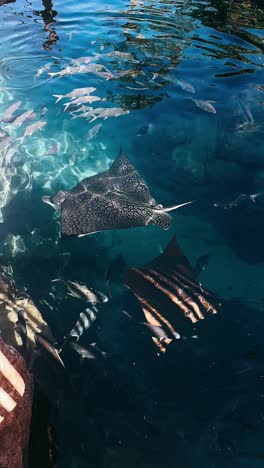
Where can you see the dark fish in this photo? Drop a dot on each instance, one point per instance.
(155, 330)
(88, 352)
(170, 295)
(115, 199)
(201, 264)
(43, 342)
(21, 326)
(84, 322)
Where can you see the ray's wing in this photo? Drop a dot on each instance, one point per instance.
(169, 294)
(124, 178)
(88, 213)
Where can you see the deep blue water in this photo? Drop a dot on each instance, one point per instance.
(139, 57)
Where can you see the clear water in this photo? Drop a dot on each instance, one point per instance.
(138, 51)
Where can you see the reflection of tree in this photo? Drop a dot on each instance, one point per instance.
(48, 15)
(243, 13)
(152, 47)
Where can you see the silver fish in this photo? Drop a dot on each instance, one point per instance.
(21, 119)
(43, 342)
(84, 322)
(186, 86)
(75, 93)
(82, 100)
(238, 200)
(88, 352)
(204, 105)
(10, 111)
(93, 68)
(155, 330)
(42, 70)
(33, 128)
(93, 132)
(111, 112)
(81, 291)
(43, 111)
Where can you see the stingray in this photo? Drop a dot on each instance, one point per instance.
(171, 297)
(118, 198)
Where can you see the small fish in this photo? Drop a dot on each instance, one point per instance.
(93, 132)
(21, 119)
(43, 342)
(81, 291)
(42, 70)
(75, 93)
(238, 200)
(88, 352)
(186, 86)
(155, 330)
(33, 128)
(201, 264)
(111, 112)
(205, 105)
(10, 111)
(43, 111)
(81, 100)
(88, 68)
(84, 322)
(53, 149)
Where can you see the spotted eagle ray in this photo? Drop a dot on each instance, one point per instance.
(118, 198)
(170, 296)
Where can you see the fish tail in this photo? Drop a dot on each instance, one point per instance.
(172, 208)
(58, 96)
(67, 104)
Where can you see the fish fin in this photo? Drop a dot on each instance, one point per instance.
(58, 96)
(67, 104)
(173, 255)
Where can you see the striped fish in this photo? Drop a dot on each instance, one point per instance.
(170, 295)
(86, 318)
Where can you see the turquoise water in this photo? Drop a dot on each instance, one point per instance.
(146, 60)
